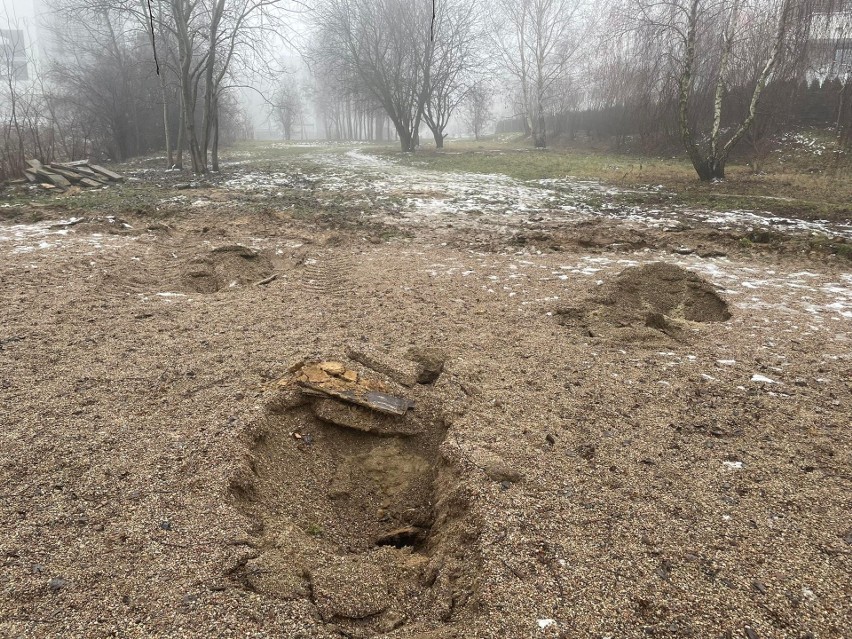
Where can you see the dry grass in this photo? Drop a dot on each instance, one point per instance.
(792, 182)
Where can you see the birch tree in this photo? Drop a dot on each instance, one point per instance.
(710, 161)
(720, 45)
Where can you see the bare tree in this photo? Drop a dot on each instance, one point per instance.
(387, 45)
(537, 40)
(456, 61)
(211, 35)
(286, 107)
(477, 108)
(17, 101)
(710, 162)
(719, 46)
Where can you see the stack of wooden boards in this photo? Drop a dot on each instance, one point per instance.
(62, 175)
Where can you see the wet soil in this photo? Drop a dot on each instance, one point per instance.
(626, 468)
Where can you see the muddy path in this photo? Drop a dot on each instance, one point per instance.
(426, 197)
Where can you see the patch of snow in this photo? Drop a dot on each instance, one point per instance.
(762, 379)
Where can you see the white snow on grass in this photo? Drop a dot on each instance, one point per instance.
(53, 235)
(462, 198)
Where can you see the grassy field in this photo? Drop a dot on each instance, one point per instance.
(796, 180)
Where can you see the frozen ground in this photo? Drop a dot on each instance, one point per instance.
(423, 196)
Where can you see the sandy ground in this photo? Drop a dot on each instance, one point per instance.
(576, 472)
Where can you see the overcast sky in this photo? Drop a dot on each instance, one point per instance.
(18, 8)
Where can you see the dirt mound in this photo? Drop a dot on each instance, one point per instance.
(225, 267)
(663, 289)
(647, 303)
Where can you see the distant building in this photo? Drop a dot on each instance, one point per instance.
(831, 40)
(13, 55)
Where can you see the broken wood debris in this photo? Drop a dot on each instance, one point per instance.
(333, 380)
(360, 418)
(267, 280)
(62, 175)
(400, 370)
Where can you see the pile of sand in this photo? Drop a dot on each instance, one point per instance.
(644, 302)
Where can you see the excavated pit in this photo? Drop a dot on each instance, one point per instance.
(359, 519)
(663, 289)
(223, 268)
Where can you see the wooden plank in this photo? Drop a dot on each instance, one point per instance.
(30, 175)
(400, 370)
(71, 165)
(90, 182)
(68, 175)
(374, 400)
(106, 172)
(52, 177)
(35, 164)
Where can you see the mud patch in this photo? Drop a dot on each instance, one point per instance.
(355, 511)
(647, 303)
(223, 268)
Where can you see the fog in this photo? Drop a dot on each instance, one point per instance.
(118, 79)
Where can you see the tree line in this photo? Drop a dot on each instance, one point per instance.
(127, 77)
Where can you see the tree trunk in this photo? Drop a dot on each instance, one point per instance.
(379, 127)
(709, 169)
(215, 150)
(540, 136)
(179, 146)
(192, 138)
(166, 132)
(711, 165)
(211, 86)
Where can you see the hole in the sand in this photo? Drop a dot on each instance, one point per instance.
(405, 537)
(354, 508)
(347, 501)
(225, 267)
(367, 481)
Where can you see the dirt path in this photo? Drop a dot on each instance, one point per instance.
(602, 454)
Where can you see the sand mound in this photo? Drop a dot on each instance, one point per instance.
(663, 289)
(225, 267)
(647, 303)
